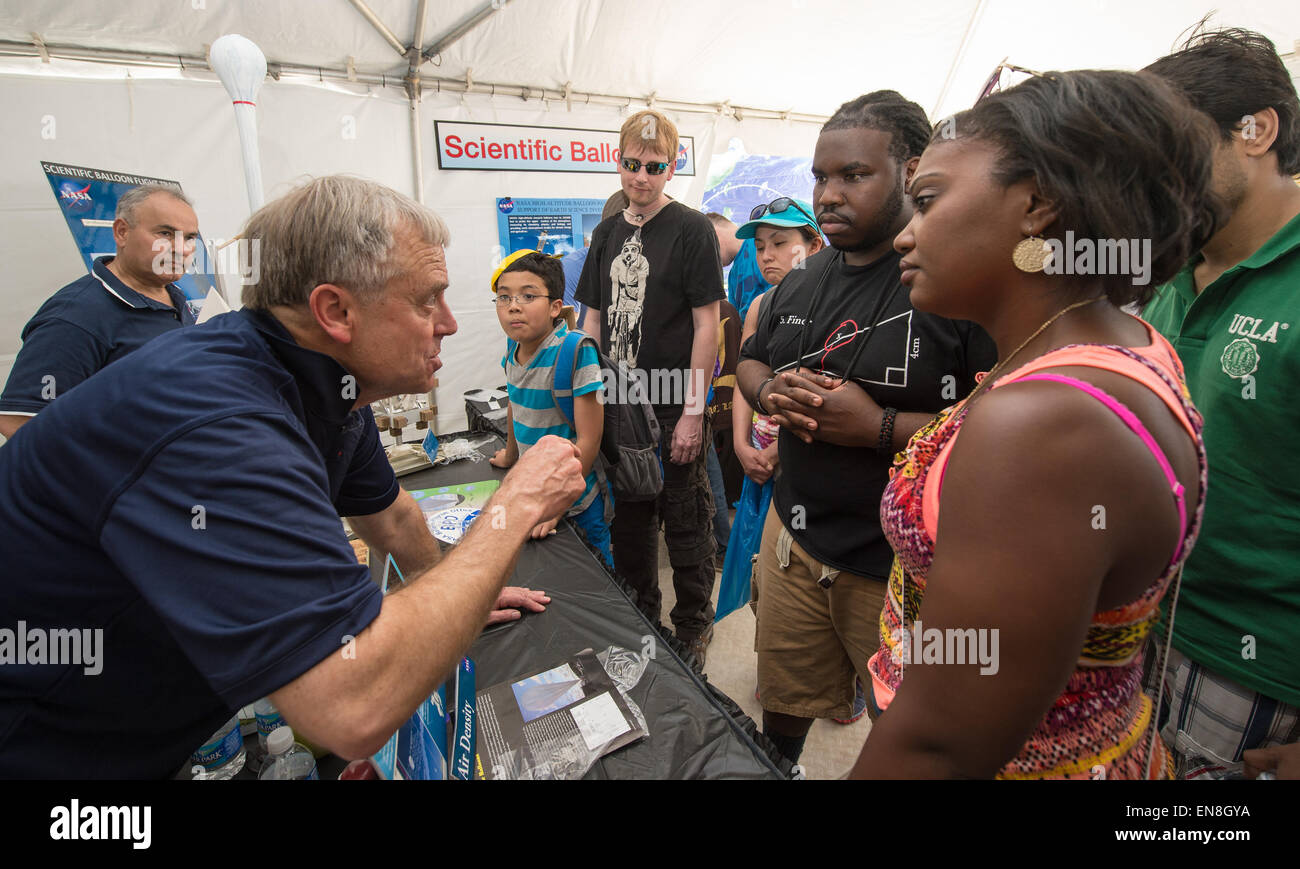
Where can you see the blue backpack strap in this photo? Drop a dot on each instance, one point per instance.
(563, 384)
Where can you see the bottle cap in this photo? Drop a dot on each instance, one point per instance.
(280, 740)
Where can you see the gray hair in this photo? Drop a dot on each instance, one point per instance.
(129, 201)
(333, 230)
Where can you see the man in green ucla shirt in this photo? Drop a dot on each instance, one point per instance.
(1233, 314)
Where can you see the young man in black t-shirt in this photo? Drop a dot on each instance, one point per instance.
(850, 371)
(654, 277)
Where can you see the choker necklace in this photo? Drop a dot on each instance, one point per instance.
(640, 219)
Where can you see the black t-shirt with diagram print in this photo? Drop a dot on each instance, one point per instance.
(645, 280)
(821, 316)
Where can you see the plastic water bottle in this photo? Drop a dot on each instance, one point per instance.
(287, 761)
(268, 719)
(222, 756)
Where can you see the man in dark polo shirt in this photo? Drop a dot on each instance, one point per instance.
(124, 302)
(850, 371)
(189, 536)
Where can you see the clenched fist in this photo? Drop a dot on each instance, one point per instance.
(545, 481)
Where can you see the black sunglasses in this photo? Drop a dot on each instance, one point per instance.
(776, 206)
(634, 165)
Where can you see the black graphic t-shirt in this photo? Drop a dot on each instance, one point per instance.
(645, 280)
(836, 318)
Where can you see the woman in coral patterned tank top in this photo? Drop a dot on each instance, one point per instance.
(1012, 642)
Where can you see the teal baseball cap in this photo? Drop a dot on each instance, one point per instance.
(784, 212)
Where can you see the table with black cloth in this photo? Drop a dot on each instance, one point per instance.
(695, 730)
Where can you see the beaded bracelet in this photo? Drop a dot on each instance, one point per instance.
(886, 441)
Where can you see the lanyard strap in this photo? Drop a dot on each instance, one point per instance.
(882, 300)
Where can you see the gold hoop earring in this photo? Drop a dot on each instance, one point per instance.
(1031, 254)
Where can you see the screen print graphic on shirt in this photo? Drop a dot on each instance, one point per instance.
(628, 274)
(893, 349)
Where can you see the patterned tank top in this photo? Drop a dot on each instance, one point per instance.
(763, 432)
(1102, 720)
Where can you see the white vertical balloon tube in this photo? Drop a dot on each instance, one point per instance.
(241, 66)
(246, 120)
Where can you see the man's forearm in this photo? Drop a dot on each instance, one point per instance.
(413, 644)
(866, 431)
(399, 530)
(750, 374)
(905, 425)
(704, 356)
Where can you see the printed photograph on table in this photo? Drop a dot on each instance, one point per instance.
(450, 510)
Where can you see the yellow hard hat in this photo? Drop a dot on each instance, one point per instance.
(501, 266)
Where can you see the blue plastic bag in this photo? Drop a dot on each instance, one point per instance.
(430, 445)
(746, 535)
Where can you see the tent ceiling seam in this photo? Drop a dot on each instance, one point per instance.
(466, 85)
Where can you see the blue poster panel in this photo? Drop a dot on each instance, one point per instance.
(552, 226)
(88, 200)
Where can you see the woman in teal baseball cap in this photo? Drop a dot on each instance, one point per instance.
(785, 234)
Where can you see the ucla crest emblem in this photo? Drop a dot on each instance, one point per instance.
(1239, 358)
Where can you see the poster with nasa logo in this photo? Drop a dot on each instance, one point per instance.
(553, 226)
(88, 200)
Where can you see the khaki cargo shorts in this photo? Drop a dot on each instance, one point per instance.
(812, 642)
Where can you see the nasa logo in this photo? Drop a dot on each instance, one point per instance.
(506, 205)
(76, 198)
(682, 154)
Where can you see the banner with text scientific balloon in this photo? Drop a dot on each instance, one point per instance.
(521, 148)
(88, 200)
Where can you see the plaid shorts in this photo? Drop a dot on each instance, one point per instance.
(1211, 720)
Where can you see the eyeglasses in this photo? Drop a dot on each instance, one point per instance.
(504, 299)
(633, 165)
(776, 206)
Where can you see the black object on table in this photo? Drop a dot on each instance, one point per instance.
(484, 413)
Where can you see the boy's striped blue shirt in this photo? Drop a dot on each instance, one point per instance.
(532, 400)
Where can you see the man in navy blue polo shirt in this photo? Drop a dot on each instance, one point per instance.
(189, 538)
(125, 301)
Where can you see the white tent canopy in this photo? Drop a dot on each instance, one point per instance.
(124, 86)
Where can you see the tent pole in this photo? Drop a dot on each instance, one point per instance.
(417, 147)
(465, 25)
(413, 89)
(960, 55)
(368, 14)
(421, 12)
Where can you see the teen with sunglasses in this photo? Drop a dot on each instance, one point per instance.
(653, 273)
(849, 371)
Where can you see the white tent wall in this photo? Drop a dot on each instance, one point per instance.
(166, 125)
